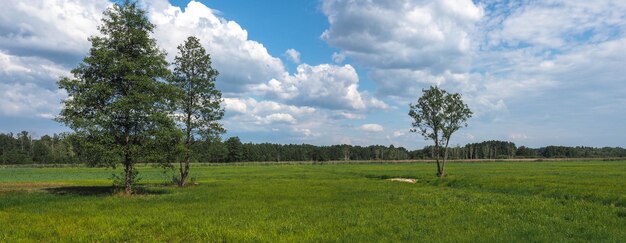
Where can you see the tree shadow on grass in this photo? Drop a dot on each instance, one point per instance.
(386, 177)
(379, 177)
(102, 190)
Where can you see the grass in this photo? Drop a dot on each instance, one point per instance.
(519, 202)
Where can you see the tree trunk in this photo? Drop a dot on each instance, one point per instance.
(128, 168)
(445, 156)
(437, 155)
(184, 173)
(182, 178)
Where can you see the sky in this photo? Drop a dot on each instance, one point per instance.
(325, 72)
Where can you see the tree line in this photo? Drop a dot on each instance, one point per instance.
(66, 148)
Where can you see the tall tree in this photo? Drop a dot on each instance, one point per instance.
(117, 98)
(235, 149)
(436, 116)
(198, 101)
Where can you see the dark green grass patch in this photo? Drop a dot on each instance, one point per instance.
(547, 201)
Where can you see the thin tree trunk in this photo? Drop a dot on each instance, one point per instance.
(181, 172)
(184, 173)
(128, 169)
(438, 154)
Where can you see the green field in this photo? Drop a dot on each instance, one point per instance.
(489, 201)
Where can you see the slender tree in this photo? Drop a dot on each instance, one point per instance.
(198, 102)
(118, 98)
(436, 116)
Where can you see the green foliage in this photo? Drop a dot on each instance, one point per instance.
(211, 150)
(235, 149)
(436, 116)
(117, 100)
(495, 202)
(45, 150)
(490, 150)
(197, 100)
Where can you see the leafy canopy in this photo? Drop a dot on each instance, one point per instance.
(198, 101)
(117, 98)
(438, 114)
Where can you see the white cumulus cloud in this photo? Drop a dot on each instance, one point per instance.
(372, 127)
(53, 29)
(293, 55)
(324, 85)
(241, 62)
(409, 34)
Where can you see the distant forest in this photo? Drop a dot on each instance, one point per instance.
(65, 148)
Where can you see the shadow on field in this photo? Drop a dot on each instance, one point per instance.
(387, 177)
(101, 190)
(379, 177)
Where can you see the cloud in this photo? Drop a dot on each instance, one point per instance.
(398, 133)
(242, 62)
(348, 115)
(27, 86)
(245, 65)
(51, 29)
(263, 112)
(236, 105)
(372, 127)
(245, 105)
(338, 57)
(517, 136)
(304, 131)
(279, 117)
(376, 103)
(402, 34)
(572, 54)
(469, 136)
(288, 121)
(35, 70)
(293, 55)
(39, 41)
(327, 86)
(556, 24)
(29, 100)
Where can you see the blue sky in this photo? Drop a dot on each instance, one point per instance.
(326, 72)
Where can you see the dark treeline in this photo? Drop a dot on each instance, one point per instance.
(232, 150)
(22, 148)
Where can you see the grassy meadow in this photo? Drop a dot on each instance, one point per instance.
(486, 201)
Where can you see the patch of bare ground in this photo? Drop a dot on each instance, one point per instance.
(407, 180)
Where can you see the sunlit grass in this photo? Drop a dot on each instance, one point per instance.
(541, 201)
